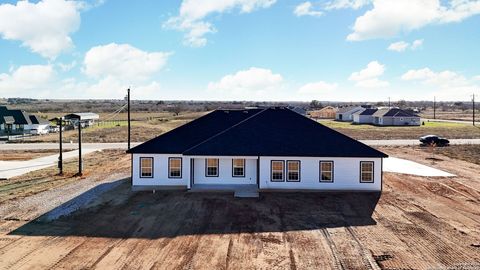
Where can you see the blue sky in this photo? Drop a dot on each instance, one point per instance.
(342, 50)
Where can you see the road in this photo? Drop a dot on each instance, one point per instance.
(9, 169)
(101, 146)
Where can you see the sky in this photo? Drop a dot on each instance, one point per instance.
(254, 50)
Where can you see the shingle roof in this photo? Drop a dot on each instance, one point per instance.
(270, 132)
(37, 120)
(20, 117)
(194, 132)
(368, 112)
(393, 112)
(349, 108)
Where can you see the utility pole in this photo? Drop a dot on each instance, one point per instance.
(434, 108)
(128, 116)
(389, 103)
(79, 147)
(473, 107)
(60, 156)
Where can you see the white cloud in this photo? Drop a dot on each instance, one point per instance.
(368, 77)
(401, 46)
(306, 8)
(343, 4)
(398, 46)
(417, 44)
(44, 27)
(317, 88)
(192, 14)
(26, 80)
(447, 84)
(476, 78)
(388, 18)
(246, 84)
(123, 61)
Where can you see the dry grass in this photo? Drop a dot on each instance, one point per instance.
(470, 153)
(96, 164)
(10, 155)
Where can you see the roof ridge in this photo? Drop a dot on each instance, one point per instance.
(227, 129)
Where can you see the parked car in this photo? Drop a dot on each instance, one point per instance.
(434, 139)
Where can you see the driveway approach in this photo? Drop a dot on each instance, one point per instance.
(9, 169)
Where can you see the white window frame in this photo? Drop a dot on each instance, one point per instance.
(179, 169)
(207, 167)
(289, 171)
(234, 166)
(371, 172)
(282, 171)
(146, 167)
(331, 171)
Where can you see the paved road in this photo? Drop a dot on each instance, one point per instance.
(9, 169)
(100, 146)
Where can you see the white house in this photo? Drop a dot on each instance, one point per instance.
(264, 149)
(364, 117)
(13, 122)
(346, 113)
(395, 117)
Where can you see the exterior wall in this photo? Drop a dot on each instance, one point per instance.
(160, 171)
(225, 171)
(399, 121)
(348, 116)
(362, 119)
(406, 121)
(346, 174)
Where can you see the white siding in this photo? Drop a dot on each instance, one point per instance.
(225, 171)
(346, 174)
(160, 171)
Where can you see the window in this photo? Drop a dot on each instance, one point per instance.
(293, 170)
(146, 167)
(238, 167)
(277, 170)
(211, 167)
(366, 171)
(174, 167)
(326, 171)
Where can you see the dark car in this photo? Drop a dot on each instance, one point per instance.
(434, 139)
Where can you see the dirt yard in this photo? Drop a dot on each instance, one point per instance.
(416, 223)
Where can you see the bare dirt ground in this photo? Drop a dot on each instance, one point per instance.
(416, 223)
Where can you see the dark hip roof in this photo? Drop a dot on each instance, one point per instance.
(368, 112)
(267, 132)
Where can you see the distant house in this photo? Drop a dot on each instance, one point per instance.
(298, 110)
(263, 149)
(395, 117)
(15, 122)
(346, 113)
(87, 119)
(364, 117)
(327, 112)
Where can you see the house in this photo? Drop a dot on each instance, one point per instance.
(364, 117)
(16, 122)
(346, 113)
(395, 117)
(327, 112)
(87, 119)
(39, 125)
(298, 110)
(267, 149)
